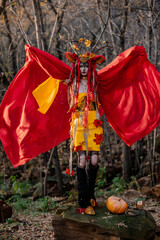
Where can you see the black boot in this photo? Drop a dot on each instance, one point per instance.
(83, 194)
(92, 175)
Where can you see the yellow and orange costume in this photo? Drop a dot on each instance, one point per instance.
(88, 139)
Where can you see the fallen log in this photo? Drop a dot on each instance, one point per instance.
(133, 225)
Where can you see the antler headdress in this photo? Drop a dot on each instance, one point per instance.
(92, 60)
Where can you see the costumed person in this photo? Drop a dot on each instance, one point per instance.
(39, 110)
(86, 126)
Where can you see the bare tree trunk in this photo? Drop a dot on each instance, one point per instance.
(150, 36)
(150, 30)
(124, 25)
(127, 166)
(58, 169)
(40, 176)
(37, 26)
(102, 21)
(126, 149)
(139, 156)
(2, 5)
(150, 158)
(110, 148)
(60, 15)
(46, 173)
(42, 29)
(105, 24)
(52, 34)
(112, 39)
(10, 43)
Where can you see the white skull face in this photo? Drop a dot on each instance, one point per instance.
(83, 68)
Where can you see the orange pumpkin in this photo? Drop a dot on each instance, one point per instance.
(116, 205)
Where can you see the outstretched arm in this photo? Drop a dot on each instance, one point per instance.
(24, 131)
(129, 91)
(51, 65)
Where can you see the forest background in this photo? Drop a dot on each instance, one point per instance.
(51, 25)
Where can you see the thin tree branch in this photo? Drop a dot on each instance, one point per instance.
(3, 5)
(84, 20)
(52, 34)
(46, 173)
(21, 28)
(105, 25)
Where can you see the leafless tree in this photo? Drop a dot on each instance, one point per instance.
(2, 5)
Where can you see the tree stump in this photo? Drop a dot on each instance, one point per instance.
(5, 211)
(133, 225)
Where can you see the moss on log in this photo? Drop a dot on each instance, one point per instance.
(133, 225)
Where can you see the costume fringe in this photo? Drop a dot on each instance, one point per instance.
(72, 136)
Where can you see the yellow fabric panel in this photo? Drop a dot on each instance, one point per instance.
(82, 101)
(45, 94)
(91, 131)
(81, 97)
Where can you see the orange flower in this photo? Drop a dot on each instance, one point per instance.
(67, 171)
(99, 138)
(98, 123)
(80, 40)
(75, 46)
(88, 43)
(91, 55)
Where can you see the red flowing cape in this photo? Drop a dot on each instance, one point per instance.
(24, 131)
(129, 91)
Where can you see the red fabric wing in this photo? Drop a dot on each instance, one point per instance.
(24, 131)
(129, 91)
